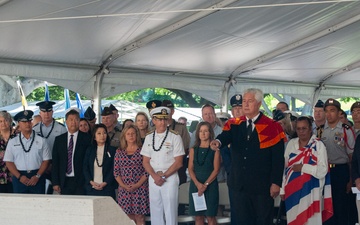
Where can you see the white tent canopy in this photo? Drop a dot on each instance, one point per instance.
(98, 48)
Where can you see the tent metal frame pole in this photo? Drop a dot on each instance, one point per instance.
(345, 69)
(250, 64)
(97, 95)
(225, 95)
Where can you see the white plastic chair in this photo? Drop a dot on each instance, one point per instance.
(184, 199)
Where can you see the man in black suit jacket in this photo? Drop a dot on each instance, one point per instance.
(68, 157)
(258, 152)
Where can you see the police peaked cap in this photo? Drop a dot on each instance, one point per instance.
(24, 116)
(236, 100)
(45, 104)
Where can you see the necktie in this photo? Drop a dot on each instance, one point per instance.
(249, 129)
(319, 131)
(70, 153)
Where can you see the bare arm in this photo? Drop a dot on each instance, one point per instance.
(13, 170)
(216, 170)
(214, 173)
(44, 165)
(175, 166)
(191, 168)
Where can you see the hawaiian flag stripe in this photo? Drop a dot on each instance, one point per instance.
(303, 196)
(269, 131)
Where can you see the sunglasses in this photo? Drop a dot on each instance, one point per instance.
(46, 110)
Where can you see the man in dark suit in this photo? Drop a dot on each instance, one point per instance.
(258, 149)
(68, 157)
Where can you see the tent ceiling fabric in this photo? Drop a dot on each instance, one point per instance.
(289, 47)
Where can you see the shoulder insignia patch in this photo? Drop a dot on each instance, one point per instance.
(174, 132)
(13, 135)
(60, 124)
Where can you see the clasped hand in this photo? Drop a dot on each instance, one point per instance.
(29, 182)
(158, 180)
(97, 186)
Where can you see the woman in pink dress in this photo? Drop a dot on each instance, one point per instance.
(131, 176)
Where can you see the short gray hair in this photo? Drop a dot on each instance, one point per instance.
(259, 96)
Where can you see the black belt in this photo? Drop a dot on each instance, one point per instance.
(333, 165)
(28, 171)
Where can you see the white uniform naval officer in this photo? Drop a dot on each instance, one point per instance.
(27, 156)
(163, 153)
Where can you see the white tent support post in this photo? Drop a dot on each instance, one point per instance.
(97, 93)
(316, 97)
(97, 96)
(250, 64)
(225, 95)
(99, 75)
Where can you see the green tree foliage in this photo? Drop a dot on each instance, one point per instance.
(349, 99)
(56, 93)
(178, 97)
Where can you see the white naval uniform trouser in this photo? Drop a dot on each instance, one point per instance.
(164, 201)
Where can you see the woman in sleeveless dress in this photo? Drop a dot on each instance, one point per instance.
(204, 165)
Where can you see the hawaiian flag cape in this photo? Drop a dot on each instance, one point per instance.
(302, 198)
(269, 131)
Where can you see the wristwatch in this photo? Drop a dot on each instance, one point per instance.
(163, 177)
(38, 175)
(207, 184)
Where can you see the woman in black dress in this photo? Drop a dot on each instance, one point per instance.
(99, 164)
(204, 165)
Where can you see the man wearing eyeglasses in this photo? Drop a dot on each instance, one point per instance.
(48, 128)
(163, 153)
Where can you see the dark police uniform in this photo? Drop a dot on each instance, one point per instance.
(115, 133)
